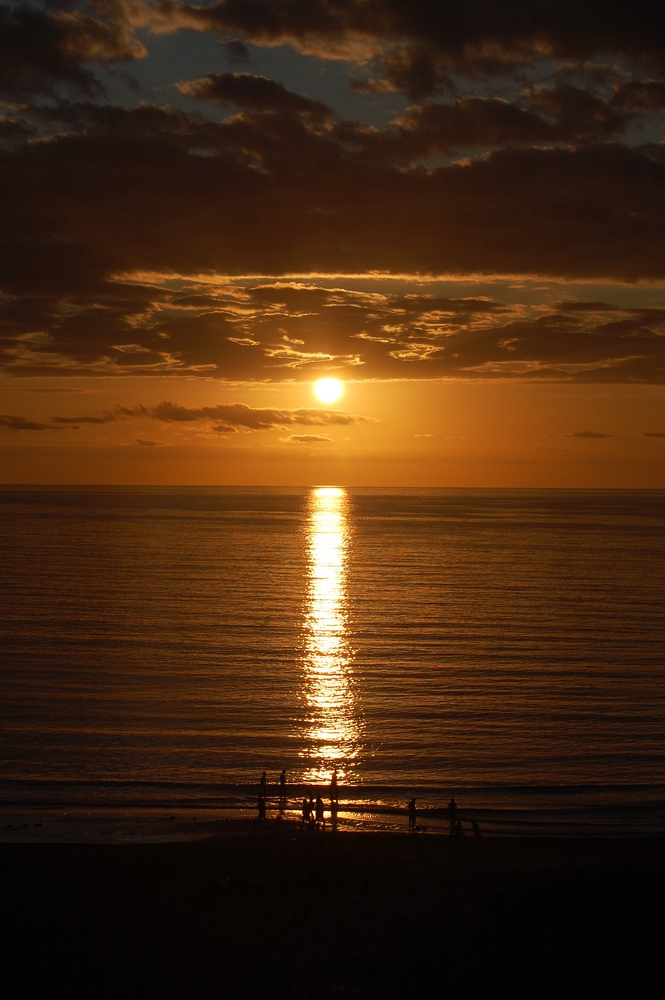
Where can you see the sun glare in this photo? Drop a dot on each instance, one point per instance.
(328, 390)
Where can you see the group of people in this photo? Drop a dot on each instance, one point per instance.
(313, 813)
(455, 824)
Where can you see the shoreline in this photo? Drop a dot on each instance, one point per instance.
(77, 823)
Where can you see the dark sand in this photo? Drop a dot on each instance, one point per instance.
(268, 912)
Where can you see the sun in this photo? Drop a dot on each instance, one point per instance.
(328, 390)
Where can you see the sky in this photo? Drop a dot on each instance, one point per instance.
(456, 208)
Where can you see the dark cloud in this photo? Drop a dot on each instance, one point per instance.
(589, 435)
(13, 423)
(290, 199)
(256, 92)
(655, 434)
(40, 50)
(469, 36)
(641, 97)
(236, 51)
(545, 115)
(576, 112)
(413, 71)
(224, 418)
(148, 444)
(84, 420)
(13, 131)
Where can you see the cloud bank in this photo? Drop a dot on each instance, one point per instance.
(532, 146)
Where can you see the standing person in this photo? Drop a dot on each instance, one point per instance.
(452, 815)
(334, 800)
(412, 815)
(333, 788)
(282, 791)
(262, 796)
(320, 815)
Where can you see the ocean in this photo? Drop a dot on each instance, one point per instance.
(161, 647)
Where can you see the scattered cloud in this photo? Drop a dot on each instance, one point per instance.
(241, 415)
(236, 51)
(589, 435)
(307, 439)
(256, 92)
(14, 423)
(84, 420)
(655, 434)
(235, 330)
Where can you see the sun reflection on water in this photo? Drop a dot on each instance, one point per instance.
(332, 730)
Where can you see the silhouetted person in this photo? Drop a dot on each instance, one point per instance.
(282, 791)
(263, 784)
(320, 816)
(459, 832)
(452, 815)
(476, 831)
(262, 806)
(412, 815)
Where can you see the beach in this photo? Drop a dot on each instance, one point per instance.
(257, 910)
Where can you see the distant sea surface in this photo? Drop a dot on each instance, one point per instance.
(160, 648)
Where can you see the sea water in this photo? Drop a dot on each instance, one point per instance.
(161, 647)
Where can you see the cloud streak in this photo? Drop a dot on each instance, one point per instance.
(11, 422)
(223, 418)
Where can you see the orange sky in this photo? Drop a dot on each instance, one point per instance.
(435, 433)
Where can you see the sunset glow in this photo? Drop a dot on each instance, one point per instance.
(329, 390)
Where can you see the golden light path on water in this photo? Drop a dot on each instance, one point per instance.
(332, 737)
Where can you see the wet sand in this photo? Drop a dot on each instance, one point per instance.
(265, 911)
